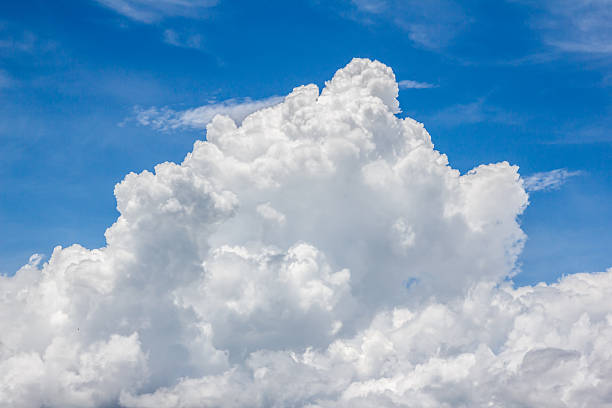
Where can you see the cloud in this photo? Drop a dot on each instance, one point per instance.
(549, 180)
(197, 118)
(183, 40)
(429, 24)
(149, 11)
(16, 42)
(598, 130)
(20, 41)
(473, 112)
(408, 84)
(532, 346)
(271, 268)
(576, 26)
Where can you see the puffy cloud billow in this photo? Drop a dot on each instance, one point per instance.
(321, 254)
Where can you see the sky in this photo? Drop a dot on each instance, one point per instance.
(527, 82)
(321, 204)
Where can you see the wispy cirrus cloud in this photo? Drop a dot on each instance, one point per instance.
(597, 130)
(183, 40)
(409, 84)
(549, 180)
(474, 112)
(23, 41)
(577, 26)
(429, 24)
(15, 41)
(165, 118)
(149, 11)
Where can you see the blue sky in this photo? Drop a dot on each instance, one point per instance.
(523, 81)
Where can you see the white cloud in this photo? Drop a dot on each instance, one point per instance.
(270, 268)
(430, 24)
(17, 42)
(269, 213)
(182, 40)
(197, 118)
(549, 180)
(474, 112)
(541, 346)
(578, 26)
(409, 84)
(149, 11)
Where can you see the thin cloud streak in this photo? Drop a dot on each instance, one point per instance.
(150, 11)
(409, 84)
(432, 24)
(165, 118)
(549, 180)
(181, 40)
(577, 26)
(473, 112)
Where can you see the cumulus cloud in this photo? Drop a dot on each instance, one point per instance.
(549, 180)
(149, 11)
(409, 84)
(165, 118)
(320, 254)
(496, 346)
